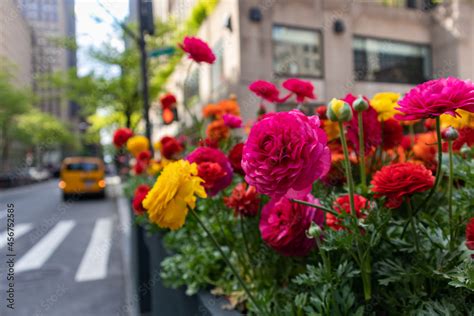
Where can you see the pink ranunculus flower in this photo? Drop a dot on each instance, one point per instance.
(283, 225)
(285, 153)
(436, 97)
(266, 90)
(213, 167)
(302, 89)
(372, 127)
(197, 50)
(232, 121)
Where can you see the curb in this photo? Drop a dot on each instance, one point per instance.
(130, 306)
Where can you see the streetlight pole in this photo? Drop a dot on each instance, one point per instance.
(146, 25)
(145, 15)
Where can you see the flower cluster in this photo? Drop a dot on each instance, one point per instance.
(338, 189)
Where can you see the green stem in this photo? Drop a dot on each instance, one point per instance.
(363, 179)
(347, 165)
(413, 225)
(364, 260)
(438, 168)
(324, 209)
(450, 195)
(246, 245)
(231, 266)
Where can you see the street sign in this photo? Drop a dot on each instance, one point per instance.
(169, 50)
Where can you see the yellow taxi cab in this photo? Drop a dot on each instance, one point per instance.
(82, 175)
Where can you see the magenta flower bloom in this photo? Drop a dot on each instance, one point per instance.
(436, 97)
(197, 50)
(266, 90)
(302, 89)
(372, 126)
(232, 121)
(283, 225)
(285, 153)
(213, 167)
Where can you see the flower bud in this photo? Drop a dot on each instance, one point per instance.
(360, 104)
(339, 111)
(450, 133)
(314, 231)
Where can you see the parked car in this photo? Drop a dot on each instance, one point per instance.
(82, 175)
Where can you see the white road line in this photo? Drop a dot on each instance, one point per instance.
(40, 253)
(19, 230)
(94, 263)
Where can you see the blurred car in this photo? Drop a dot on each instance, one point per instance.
(82, 175)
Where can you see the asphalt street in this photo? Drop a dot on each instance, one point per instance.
(67, 255)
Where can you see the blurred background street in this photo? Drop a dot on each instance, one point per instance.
(68, 254)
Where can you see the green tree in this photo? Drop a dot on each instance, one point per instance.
(13, 103)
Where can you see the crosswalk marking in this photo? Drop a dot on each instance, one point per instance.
(19, 230)
(39, 254)
(94, 263)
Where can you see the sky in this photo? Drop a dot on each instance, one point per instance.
(95, 26)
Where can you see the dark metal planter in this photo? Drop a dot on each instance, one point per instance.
(154, 298)
(140, 262)
(166, 301)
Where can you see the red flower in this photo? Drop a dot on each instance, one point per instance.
(170, 147)
(392, 134)
(470, 234)
(406, 142)
(321, 112)
(245, 201)
(302, 89)
(207, 142)
(144, 156)
(283, 225)
(213, 167)
(167, 101)
(121, 136)
(400, 180)
(342, 204)
(197, 50)
(235, 158)
(466, 136)
(372, 127)
(139, 196)
(266, 90)
(139, 167)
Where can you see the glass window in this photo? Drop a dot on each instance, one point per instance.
(390, 61)
(82, 166)
(297, 52)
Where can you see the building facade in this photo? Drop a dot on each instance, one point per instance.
(51, 21)
(342, 46)
(15, 44)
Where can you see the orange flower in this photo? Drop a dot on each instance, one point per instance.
(217, 130)
(211, 110)
(229, 106)
(424, 147)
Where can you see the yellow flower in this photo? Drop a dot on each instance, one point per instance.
(154, 167)
(137, 144)
(331, 128)
(174, 191)
(384, 103)
(466, 120)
